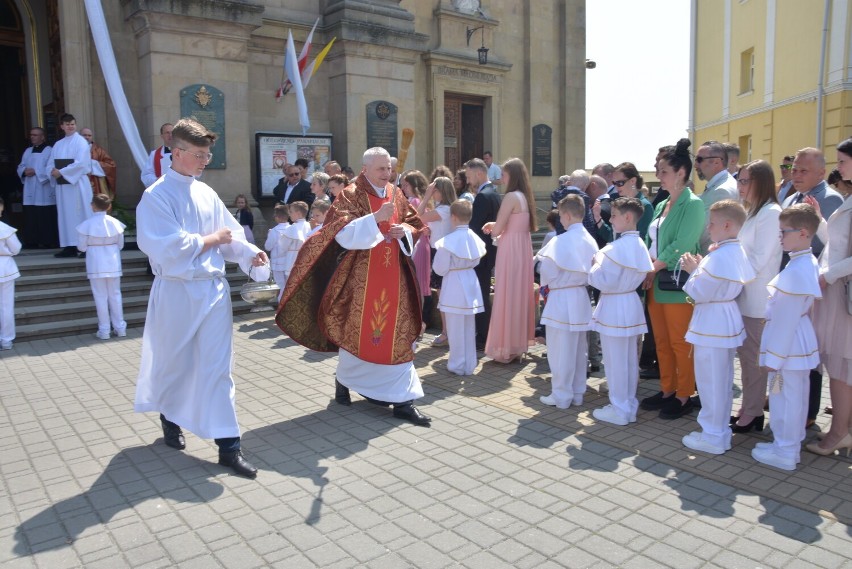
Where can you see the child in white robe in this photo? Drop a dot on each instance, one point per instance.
(275, 245)
(716, 328)
(788, 346)
(319, 209)
(293, 238)
(564, 268)
(101, 237)
(619, 269)
(456, 254)
(9, 247)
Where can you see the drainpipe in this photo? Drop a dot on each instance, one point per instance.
(692, 72)
(821, 83)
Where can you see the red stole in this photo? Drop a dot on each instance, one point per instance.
(158, 155)
(382, 294)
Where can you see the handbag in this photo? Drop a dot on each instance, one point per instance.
(672, 280)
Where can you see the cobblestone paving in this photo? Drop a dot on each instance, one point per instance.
(498, 481)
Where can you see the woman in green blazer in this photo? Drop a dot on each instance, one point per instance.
(676, 229)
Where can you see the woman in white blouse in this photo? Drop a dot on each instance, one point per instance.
(832, 320)
(756, 182)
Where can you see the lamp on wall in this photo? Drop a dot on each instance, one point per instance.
(482, 52)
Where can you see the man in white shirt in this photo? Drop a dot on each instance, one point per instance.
(159, 159)
(495, 173)
(71, 164)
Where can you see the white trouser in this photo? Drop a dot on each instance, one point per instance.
(107, 293)
(7, 311)
(788, 412)
(621, 363)
(461, 335)
(714, 377)
(280, 278)
(567, 354)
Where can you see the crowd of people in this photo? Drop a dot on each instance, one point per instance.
(672, 285)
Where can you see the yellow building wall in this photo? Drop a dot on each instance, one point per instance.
(709, 60)
(748, 31)
(797, 54)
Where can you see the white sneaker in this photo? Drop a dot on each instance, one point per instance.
(551, 401)
(609, 414)
(102, 335)
(771, 457)
(121, 333)
(696, 441)
(578, 400)
(763, 445)
(5, 345)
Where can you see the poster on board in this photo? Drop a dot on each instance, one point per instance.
(273, 150)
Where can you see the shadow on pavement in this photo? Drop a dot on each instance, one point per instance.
(132, 477)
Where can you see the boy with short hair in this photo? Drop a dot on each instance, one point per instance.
(564, 269)
(9, 246)
(788, 347)
(456, 254)
(274, 244)
(319, 209)
(102, 238)
(716, 328)
(293, 238)
(619, 268)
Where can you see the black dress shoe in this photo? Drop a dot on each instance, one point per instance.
(674, 409)
(594, 368)
(66, 252)
(655, 402)
(696, 401)
(341, 393)
(81, 255)
(413, 414)
(756, 424)
(172, 434)
(650, 373)
(237, 463)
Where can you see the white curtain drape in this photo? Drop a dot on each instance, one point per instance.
(100, 34)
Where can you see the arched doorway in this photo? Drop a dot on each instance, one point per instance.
(14, 108)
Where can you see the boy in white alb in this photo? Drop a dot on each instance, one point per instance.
(9, 246)
(101, 237)
(293, 238)
(564, 268)
(618, 270)
(275, 243)
(788, 347)
(456, 254)
(319, 209)
(716, 328)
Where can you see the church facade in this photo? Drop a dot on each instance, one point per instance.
(394, 65)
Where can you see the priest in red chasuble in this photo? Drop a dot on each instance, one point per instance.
(353, 290)
(103, 173)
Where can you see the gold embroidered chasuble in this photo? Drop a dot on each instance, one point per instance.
(364, 301)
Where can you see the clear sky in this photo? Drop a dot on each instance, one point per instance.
(637, 99)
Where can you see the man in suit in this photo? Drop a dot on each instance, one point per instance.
(485, 207)
(808, 174)
(292, 187)
(785, 186)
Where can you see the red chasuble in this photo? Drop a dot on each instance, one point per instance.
(364, 301)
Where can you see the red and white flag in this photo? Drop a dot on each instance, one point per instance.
(291, 67)
(287, 84)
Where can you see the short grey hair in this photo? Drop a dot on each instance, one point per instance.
(322, 178)
(579, 179)
(563, 180)
(374, 152)
(597, 185)
(815, 153)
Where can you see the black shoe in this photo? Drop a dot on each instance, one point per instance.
(674, 409)
(341, 393)
(594, 368)
(650, 373)
(172, 435)
(696, 401)
(655, 401)
(413, 414)
(756, 424)
(66, 252)
(81, 255)
(237, 463)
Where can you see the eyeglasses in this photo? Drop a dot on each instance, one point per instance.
(700, 159)
(783, 231)
(619, 183)
(207, 157)
(785, 166)
(743, 181)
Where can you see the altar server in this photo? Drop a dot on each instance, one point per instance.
(9, 247)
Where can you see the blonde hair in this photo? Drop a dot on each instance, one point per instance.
(731, 210)
(573, 205)
(462, 209)
(301, 207)
(281, 211)
(447, 190)
(321, 205)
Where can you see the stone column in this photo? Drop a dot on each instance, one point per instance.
(376, 60)
(183, 42)
(76, 62)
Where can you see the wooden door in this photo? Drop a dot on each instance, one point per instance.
(463, 129)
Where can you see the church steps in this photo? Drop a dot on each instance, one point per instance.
(53, 297)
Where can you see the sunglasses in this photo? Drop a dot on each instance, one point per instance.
(786, 166)
(700, 159)
(619, 183)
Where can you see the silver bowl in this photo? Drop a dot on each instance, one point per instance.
(260, 293)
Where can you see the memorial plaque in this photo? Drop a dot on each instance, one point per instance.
(541, 154)
(206, 104)
(382, 126)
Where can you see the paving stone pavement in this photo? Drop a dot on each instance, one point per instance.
(498, 481)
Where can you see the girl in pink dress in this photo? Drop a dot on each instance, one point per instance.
(511, 331)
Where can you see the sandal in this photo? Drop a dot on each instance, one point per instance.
(440, 340)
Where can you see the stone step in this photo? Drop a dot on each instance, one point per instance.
(76, 292)
(42, 262)
(50, 284)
